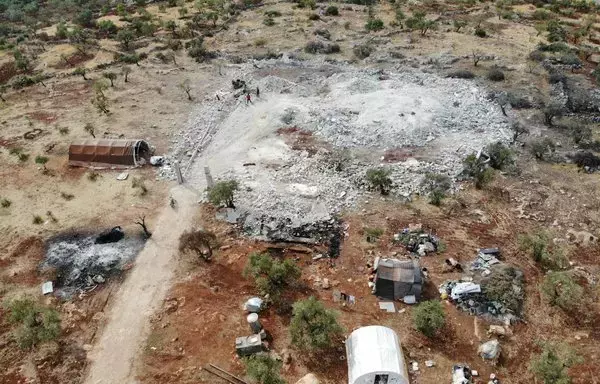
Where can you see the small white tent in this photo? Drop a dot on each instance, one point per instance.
(375, 357)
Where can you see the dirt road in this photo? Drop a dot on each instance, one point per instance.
(113, 355)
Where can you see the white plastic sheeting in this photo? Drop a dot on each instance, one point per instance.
(375, 357)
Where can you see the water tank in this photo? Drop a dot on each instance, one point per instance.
(254, 323)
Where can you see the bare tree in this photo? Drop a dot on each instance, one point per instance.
(89, 128)
(518, 130)
(186, 87)
(126, 71)
(142, 223)
(477, 56)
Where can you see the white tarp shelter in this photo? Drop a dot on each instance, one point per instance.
(375, 357)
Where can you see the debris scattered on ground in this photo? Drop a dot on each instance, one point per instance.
(417, 241)
(486, 258)
(79, 260)
(110, 236)
(387, 306)
(461, 374)
(429, 363)
(157, 160)
(490, 350)
(254, 305)
(47, 288)
(122, 176)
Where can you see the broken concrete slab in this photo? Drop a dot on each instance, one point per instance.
(387, 306)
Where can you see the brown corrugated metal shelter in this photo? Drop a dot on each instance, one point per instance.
(108, 153)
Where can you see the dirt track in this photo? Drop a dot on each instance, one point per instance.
(113, 356)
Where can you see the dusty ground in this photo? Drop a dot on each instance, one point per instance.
(183, 337)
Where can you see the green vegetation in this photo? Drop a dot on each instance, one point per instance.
(5, 203)
(429, 317)
(332, 10)
(223, 193)
(263, 369)
(543, 149)
(138, 183)
(500, 287)
(314, 327)
(561, 290)
(35, 324)
(379, 178)
(552, 364)
(373, 233)
(111, 76)
(419, 22)
(272, 276)
(501, 157)
(37, 220)
(476, 169)
(537, 244)
(437, 185)
(374, 25)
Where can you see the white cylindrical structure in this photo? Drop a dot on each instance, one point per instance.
(253, 322)
(375, 357)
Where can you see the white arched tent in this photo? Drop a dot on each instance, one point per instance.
(375, 357)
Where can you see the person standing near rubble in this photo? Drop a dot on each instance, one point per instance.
(257, 92)
(248, 98)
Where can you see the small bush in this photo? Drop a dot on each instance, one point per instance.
(554, 47)
(374, 25)
(429, 317)
(67, 196)
(93, 176)
(63, 131)
(552, 365)
(323, 33)
(315, 47)
(5, 203)
(264, 369)
(476, 169)
(561, 290)
(199, 242)
(272, 13)
(537, 244)
(272, 276)
(537, 55)
(495, 74)
(332, 10)
(586, 159)
(314, 327)
(23, 157)
(138, 182)
(41, 159)
(269, 21)
(543, 149)
(363, 51)
(260, 42)
(373, 233)
(36, 324)
(501, 287)
(519, 102)
(501, 157)
(556, 77)
(437, 185)
(461, 74)
(314, 17)
(37, 219)
(542, 14)
(480, 32)
(379, 178)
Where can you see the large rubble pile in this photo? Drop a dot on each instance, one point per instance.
(359, 111)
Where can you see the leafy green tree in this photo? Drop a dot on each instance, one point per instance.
(272, 276)
(551, 366)
(125, 36)
(380, 178)
(61, 30)
(107, 27)
(100, 101)
(21, 61)
(223, 193)
(35, 324)
(374, 25)
(420, 22)
(264, 369)
(561, 290)
(314, 327)
(85, 18)
(429, 317)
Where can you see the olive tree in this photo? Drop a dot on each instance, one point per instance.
(314, 327)
(223, 193)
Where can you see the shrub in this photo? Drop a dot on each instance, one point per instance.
(323, 33)
(263, 369)
(197, 50)
(495, 74)
(555, 77)
(541, 14)
(310, 4)
(518, 102)
(458, 24)
(23, 157)
(272, 13)
(260, 42)
(314, 17)
(552, 365)
(373, 233)
(41, 159)
(5, 203)
(551, 111)
(437, 185)
(269, 21)
(554, 47)
(537, 244)
(500, 155)
(315, 47)
(138, 182)
(374, 25)
(461, 74)
(480, 32)
(125, 36)
(476, 169)
(67, 196)
(93, 176)
(314, 327)
(537, 55)
(561, 290)
(379, 178)
(200, 242)
(63, 131)
(332, 10)
(585, 159)
(363, 51)
(429, 317)
(36, 324)
(418, 21)
(543, 149)
(556, 32)
(271, 276)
